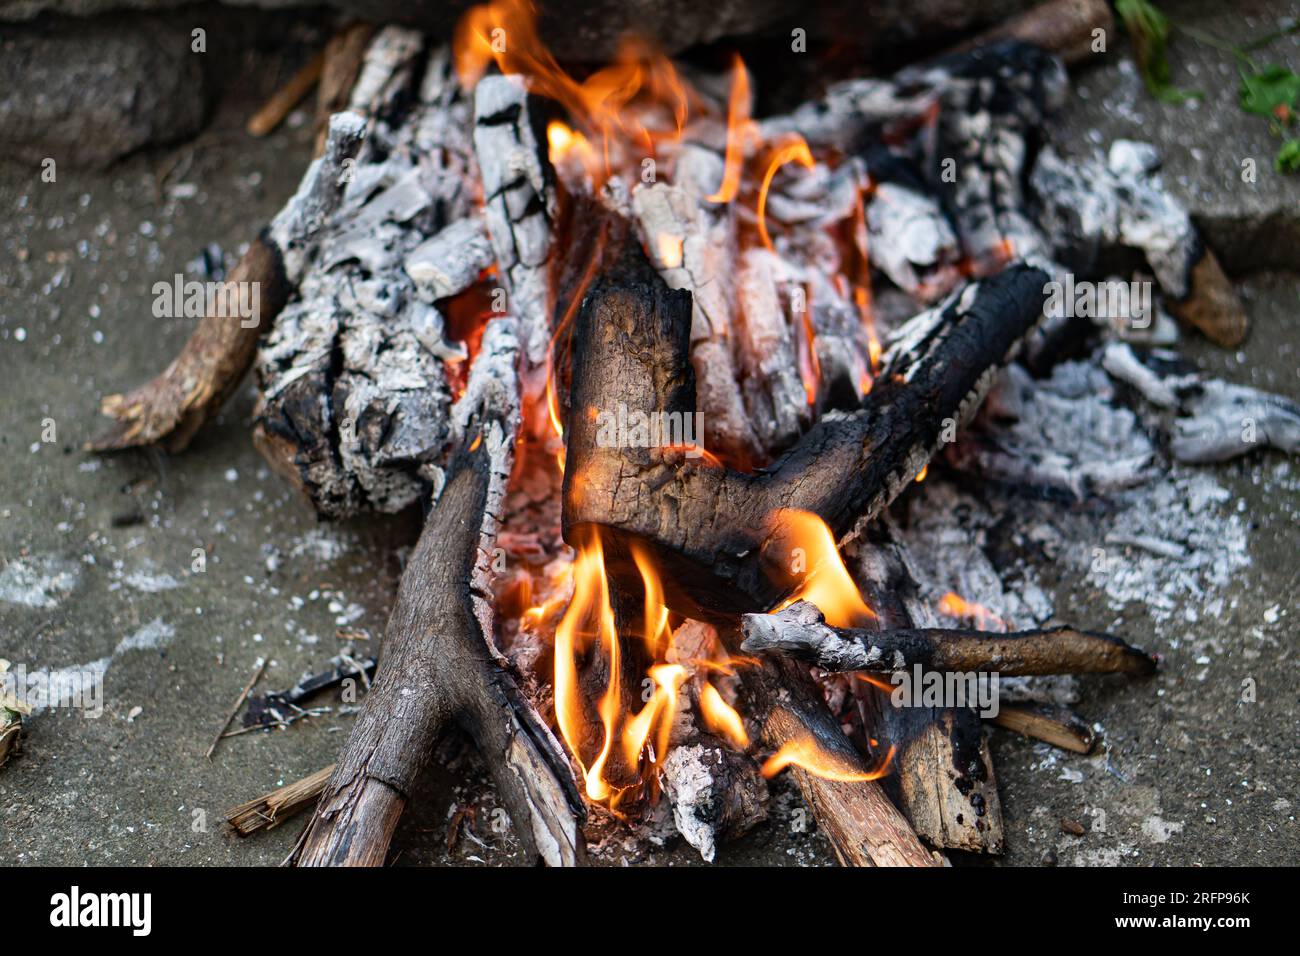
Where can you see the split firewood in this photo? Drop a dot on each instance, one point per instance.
(439, 663)
(1219, 420)
(1058, 726)
(710, 530)
(942, 773)
(344, 55)
(800, 631)
(269, 811)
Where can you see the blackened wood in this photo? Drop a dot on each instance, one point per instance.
(942, 775)
(710, 529)
(801, 631)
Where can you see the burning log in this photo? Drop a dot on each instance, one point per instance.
(1058, 726)
(800, 631)
(710, 529)
(715, 789)
(521, 209)
(439, 663)
(863, 826)
(942, 774)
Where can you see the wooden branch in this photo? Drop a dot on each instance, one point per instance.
(1059, 726)
(269, 811)
(439, 663)
(942, 775)
(800, 631)
(710, 529)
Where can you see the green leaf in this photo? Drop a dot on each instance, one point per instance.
(1263, 91)
(1149, 30)
(1287, 159)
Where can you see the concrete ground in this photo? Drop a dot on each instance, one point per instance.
(96, 554)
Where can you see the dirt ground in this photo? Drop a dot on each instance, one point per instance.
(96, 554)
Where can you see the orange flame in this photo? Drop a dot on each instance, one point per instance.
(954, 605)
(739, 128)
(504, 32)
(796, 152)
(825, 580)
(588, 624)
(804, 752)
(721, 717)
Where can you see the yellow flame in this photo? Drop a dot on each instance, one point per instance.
(796, 152)
(721, 718)
(803, 752)
(826, 582)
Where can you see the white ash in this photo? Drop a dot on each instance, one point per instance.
(38, 582)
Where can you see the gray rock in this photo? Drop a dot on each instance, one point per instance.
(86, 93)
(589, 30)
(1251, 226)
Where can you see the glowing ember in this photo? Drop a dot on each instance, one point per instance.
(954, 605)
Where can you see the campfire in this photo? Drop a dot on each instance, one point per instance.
(666, 376)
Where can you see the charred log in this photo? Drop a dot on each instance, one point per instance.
(710, 529)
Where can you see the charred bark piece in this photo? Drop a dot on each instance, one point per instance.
(709, 529)
(1220, 421)
(942, 774)
(1089, 206)
(800, 631)
(439, 663)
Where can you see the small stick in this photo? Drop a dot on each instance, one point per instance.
(1058, 726)
(261, 666)
(284, 99)
(269, 811)
(801, 631)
